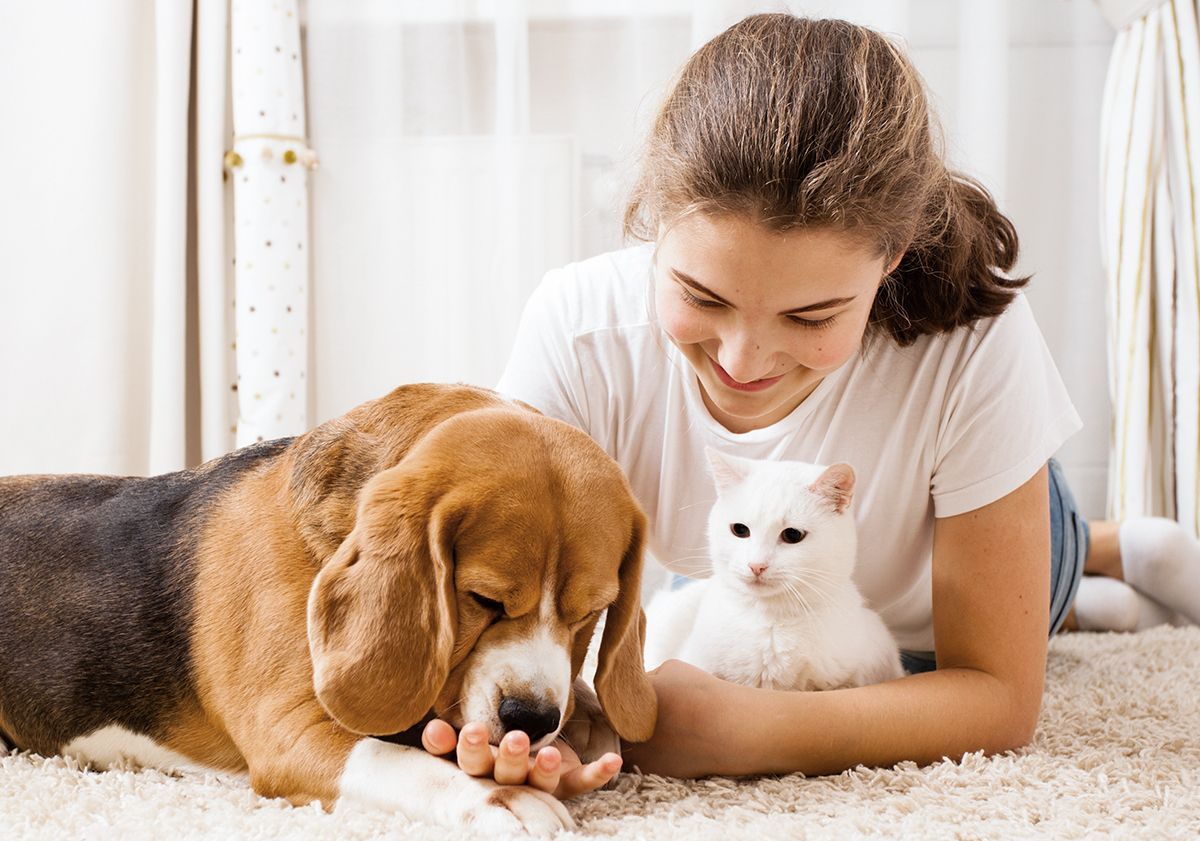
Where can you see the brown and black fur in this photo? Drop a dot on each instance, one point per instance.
(96, 580)
(267, 609)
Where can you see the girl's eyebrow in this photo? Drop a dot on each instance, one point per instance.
(688, 280)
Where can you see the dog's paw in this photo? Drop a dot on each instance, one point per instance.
(588, 731)
(497, 809)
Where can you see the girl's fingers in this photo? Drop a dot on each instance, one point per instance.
(589, 777)
(439, 737)
(546, 770)
(512, 759)
(510, 764)
(474, 752)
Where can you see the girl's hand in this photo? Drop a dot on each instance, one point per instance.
(696, 731)
(556, 769)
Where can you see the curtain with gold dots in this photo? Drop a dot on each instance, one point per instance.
(268, 167)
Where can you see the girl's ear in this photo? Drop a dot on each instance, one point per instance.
(835, 486)
(724, 469)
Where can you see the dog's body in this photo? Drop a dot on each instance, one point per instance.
(438, 551)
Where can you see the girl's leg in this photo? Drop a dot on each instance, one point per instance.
(1103, 558)
(1104, 550)
(1160, 563)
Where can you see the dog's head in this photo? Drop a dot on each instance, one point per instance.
(472, 581)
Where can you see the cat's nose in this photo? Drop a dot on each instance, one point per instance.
(757, 569)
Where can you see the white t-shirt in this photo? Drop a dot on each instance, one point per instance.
(947, 425)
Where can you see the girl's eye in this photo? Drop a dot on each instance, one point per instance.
(810, 324)
(739, 529)
(487, 604)
(700, 303)
(790, 535)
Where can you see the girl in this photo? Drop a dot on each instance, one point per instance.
(818, 286)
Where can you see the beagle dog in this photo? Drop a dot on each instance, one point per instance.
(287, 609)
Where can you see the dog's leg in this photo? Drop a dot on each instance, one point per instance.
(588, 731)
(331, 764)
(427, 788)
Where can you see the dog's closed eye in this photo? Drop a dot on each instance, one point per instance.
(490, 605)
(575, 626)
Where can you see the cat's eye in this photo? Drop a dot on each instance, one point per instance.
(790, 535)
(739, 529)
(487, 604)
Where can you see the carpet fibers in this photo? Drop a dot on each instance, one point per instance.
(1117, 755)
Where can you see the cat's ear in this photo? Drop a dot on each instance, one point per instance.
(835, 485)
(724, 470)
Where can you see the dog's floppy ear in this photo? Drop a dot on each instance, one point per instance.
(625, 692)
(381, 612)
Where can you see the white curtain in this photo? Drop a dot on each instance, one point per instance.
(467, 147)
(94, 235)
(118, 334)
(1151, 208)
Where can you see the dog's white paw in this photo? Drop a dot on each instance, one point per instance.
(494, 808)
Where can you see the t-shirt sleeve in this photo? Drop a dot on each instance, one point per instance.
(543, 369)
(1007, 412)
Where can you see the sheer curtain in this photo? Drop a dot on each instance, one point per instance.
(467, 147)
(94, 236)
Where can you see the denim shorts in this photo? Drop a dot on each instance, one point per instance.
(1069, 538)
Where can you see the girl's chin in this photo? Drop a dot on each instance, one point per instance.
(743, 412)
(748, 414)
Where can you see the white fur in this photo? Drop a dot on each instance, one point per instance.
(800, 623)
(381, 775)
(105, 747)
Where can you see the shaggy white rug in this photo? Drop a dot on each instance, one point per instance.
(1117, 754)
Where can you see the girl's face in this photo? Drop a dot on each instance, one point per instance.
(762, 316)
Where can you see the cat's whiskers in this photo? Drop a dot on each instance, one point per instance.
(797, 596)
(815, 580)
(682, 566)
(813, 577)
(814, 587)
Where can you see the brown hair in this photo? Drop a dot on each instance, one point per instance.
(799, 122)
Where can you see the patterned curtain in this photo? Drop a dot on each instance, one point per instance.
(268, 169)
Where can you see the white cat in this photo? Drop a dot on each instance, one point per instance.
(780, 610)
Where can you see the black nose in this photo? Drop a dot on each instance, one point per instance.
(534, 720)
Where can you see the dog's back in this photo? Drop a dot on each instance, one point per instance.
(95, 596)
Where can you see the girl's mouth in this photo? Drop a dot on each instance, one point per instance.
(730, 382)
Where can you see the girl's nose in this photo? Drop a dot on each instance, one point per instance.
(744, 357)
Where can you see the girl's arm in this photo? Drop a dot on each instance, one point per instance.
(991, 596)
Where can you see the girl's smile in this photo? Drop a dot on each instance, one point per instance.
(754, 385)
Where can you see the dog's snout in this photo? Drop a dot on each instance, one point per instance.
(535, 720)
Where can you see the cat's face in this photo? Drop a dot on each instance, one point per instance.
(780, 528)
